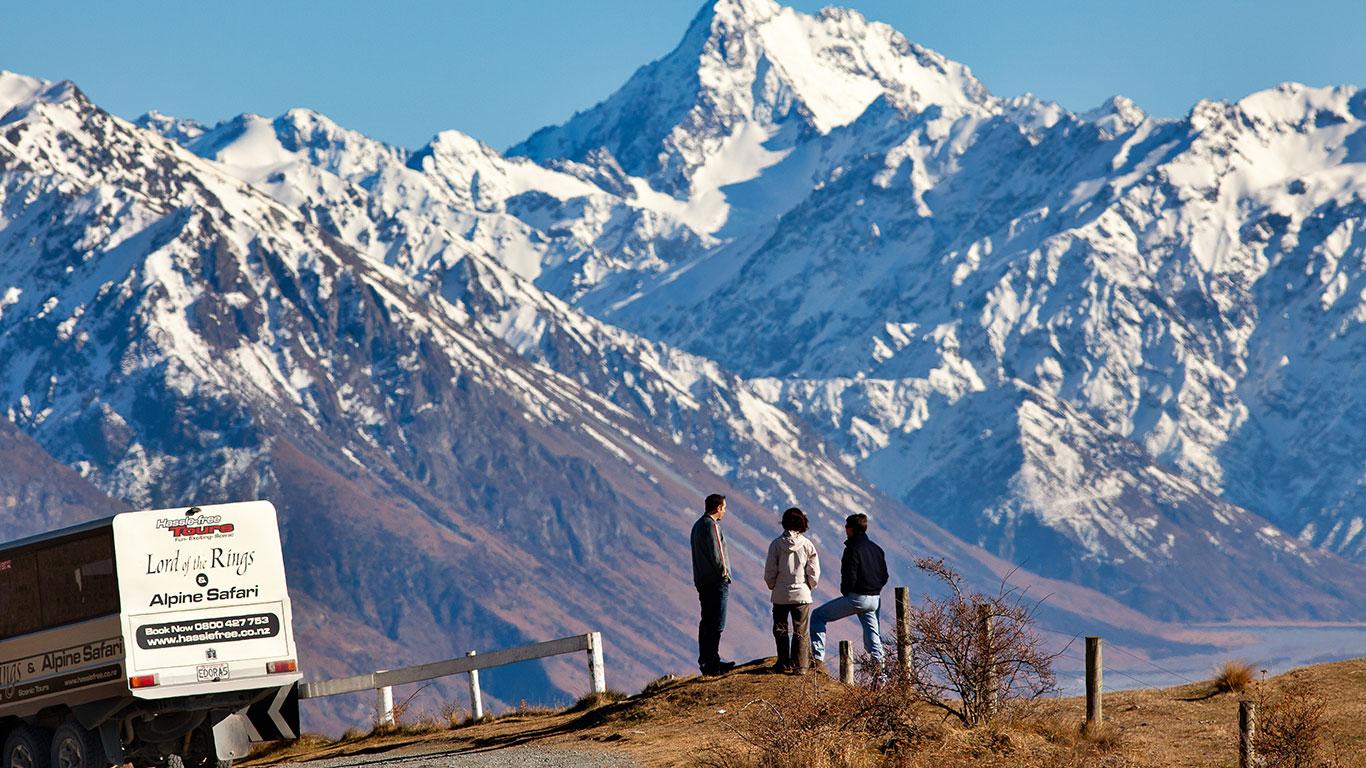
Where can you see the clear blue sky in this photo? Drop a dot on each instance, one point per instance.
(499, 69)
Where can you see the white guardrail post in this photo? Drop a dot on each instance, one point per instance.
(597, 676)
(384, 706)
(476, 698)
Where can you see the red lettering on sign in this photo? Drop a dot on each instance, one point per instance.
(184, 531)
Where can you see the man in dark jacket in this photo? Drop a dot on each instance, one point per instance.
(711, 576)
(863, 574)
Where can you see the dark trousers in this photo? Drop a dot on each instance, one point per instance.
(713, 600)
(794, 645)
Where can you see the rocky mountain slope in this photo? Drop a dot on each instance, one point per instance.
(461, 460)
(1193, 289)
(1019, 331)
(798, 259)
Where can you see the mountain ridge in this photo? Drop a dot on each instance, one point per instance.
(441, 486)
(1118, 350)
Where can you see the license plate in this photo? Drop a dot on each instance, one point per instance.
(211, 673)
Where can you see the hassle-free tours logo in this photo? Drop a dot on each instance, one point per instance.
(195, 525)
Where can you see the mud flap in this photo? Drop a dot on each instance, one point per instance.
(273, 717)
(230, 738)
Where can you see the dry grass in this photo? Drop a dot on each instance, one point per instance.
(686, 721)
(1234, 677)
(660, 683)
(595, 700)
(811, 725)
(828, 725)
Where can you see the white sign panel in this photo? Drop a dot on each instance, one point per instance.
(203, 592)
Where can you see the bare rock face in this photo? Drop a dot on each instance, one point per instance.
(38, 493)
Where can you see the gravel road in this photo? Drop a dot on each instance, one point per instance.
(513, 757)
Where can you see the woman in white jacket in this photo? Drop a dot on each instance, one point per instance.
(792, 571)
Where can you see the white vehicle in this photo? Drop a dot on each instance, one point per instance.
(147, 638)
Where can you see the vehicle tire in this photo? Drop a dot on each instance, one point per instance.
(26, 747)
(196, 761)
(75, 746)
(202, 753)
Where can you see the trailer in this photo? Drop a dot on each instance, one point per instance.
(157, 638)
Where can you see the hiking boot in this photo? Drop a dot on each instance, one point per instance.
(719, 669)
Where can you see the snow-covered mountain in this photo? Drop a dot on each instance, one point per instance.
(955, 290)
(1196, 286)
(461, 459)
(936, 257)
(750, 81)
(1192, 288)
(798, 259)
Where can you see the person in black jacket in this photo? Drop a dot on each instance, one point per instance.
(711, 576)
(863, 574)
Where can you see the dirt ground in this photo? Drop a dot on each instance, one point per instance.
(687, 721)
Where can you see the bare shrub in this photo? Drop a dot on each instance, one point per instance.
(1292, 731)
(452, 713)
(971, 651)
(1234, 677)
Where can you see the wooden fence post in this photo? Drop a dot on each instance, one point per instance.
(903, 629)
(476, 698)
(846, 662)
(384, 706)
(1094, 712)
(1247, 731)
(597, 674)
(986, 630)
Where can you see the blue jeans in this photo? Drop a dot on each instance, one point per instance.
(712, 623)
(863, 606)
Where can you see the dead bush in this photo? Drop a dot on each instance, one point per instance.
(1234, 677)
(972, 652)
(452, 713)
(1292, 730)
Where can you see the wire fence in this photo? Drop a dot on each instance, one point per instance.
(1069, 654)
(1111, 670)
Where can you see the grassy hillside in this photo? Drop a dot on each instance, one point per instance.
(736, 720)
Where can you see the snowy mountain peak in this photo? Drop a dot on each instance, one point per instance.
(340, 150)
(16, 89)
(1292, 104)
(751, 80)
(20, 95)
(245, 141)
(1117, 115)
(736, 11)
(178, 129)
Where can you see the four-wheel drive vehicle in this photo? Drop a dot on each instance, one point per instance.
(154, 638)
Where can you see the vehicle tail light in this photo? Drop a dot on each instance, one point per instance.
(142, 681)
(276, 667)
